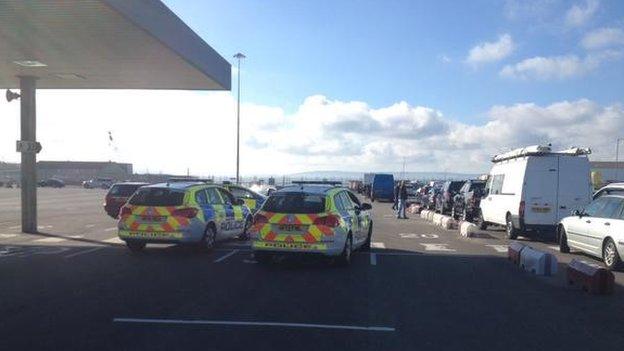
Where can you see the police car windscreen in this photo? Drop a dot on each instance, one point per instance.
(157, 197)
(295, 203)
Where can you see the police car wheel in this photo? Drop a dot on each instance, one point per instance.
(209, 239)
(245, 234)
(135, 246)
(367, 244)
(345, 257)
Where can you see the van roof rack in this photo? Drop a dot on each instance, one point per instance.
(539, 150)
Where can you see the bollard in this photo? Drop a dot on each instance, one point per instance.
(590, 277)
(448, 223)
(538, 262)
(437, 219)
(513, 252)
(467, 229)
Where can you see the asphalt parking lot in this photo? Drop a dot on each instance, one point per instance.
(75, 286)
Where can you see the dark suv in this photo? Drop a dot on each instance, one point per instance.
(118, 195)
(466, 202)
(444, 200)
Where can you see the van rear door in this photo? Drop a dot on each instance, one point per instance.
(574, 185)
(540, 191)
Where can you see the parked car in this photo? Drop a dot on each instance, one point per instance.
(444, 200)
(252, 199)
(531, 189)
(598, 230)
(118, 195)
(466, 202)
(98, 183)
(51, 183)
(613, 188)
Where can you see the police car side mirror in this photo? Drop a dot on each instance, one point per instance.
(365, 207)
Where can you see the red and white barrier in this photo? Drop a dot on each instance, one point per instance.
(513, 252)
(538, 262)
(590, 277)
(467, 229)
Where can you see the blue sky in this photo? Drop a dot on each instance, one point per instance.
(361, 86)
(383, 52)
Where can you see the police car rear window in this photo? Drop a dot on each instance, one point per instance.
(295, 203)
(157, 197)
(123, 189)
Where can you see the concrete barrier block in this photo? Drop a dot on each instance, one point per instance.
(591, 277)
(448, 223)
(414, 209)
(538, 262)
(467, 229)
(430, 216)
(437, 219)
(513, 252)
(424, 214)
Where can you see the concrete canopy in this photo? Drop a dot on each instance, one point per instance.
(105, 44)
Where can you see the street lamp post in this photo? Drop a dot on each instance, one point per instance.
(239, 57)
(617, 158)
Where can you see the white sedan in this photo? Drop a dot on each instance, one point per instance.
(597, 230)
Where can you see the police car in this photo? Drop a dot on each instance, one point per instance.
(252, 199)
(319, 219)
(182, 212)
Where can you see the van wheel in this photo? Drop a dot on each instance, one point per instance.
(563, 241)
(480, 221)
(209, 239)
(345, 257)
(135, 246)
(610, 255)
(512, 232)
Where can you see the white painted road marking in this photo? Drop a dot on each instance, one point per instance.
(376, 245)
(373, 259)
(225, 256)
(84, 252)
(15, 227)
(89, 225)
(114, 240)
(50, 240)
(252, 324)
(437, 247)
(7, 236)
(250, 261)
(556, 248)
(498, 248)
(111, 229)
(76, 236)
(414, 236)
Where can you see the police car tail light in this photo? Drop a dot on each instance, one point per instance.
(329, 221)
(187, 212)
(125, 211)
(260, 219)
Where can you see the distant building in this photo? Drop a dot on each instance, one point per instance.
(608, 172)
(78, 171)
(9, 171)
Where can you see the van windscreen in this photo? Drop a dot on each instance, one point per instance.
(295, 203)
(157, 197)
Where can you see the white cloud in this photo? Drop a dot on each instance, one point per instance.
(603, 38)
(491, 51)
(528, 9)
(168, 131)
(580, 14)
(558, 67)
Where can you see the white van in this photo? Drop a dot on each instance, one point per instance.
(529, 190)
